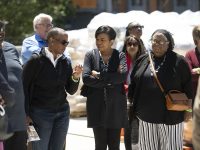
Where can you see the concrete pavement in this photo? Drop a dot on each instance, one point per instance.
(80, 137)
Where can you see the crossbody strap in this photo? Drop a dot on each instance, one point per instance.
(154, 73)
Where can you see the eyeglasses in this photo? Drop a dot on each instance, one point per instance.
(158, 42)
(63, 42)
(132, 43)
(46, 25)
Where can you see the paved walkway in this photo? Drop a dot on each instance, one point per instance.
(80, 137)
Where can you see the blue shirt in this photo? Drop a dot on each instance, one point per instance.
(32, 45)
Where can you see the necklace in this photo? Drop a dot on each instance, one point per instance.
(161, 64)
(105, 58)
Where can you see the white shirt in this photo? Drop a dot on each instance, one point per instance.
(51, 57)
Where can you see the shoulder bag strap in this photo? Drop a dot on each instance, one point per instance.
(154, 73)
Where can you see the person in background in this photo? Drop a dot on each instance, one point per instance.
(134, 28)
(46, 78)
(149, 105)
(1, 145)
(11, 69)
(196, 120)
(42, 23)
(132, 50)
(193, 58)
(106, 99)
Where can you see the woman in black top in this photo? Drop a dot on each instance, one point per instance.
(132, 49)
(104, 72)
(47, 77)
(159, 128)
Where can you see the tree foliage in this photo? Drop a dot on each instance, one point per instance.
(20, 14)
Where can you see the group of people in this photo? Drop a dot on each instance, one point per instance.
(121, 89)
(117, 76)
(40, 85)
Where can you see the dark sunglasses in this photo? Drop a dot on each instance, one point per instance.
(132, 43)
(63, 42)
(138, 27)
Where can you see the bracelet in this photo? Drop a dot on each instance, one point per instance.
(189, 110)
(75, 80)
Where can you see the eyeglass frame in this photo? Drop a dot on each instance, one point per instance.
(46, 25)
(158, 42)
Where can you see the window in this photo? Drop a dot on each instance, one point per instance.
(181, 2)
(136, 2)
(198, 5)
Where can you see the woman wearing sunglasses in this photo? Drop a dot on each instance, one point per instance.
(133, 49)
(46, 78)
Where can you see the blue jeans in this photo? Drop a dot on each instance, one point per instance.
(52, 126)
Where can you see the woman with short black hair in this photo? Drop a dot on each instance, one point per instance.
(104, 72)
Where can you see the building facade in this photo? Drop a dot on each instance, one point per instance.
(145, 5)
(87, 9)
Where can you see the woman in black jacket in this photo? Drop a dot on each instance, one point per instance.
(46, 78)
(133, 50)
(159, 128)
(104, 72)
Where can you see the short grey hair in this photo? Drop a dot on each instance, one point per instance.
(40, 17)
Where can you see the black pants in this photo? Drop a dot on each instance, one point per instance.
(131, 133)
(17, 141)
(127, 138)
(106, 137)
